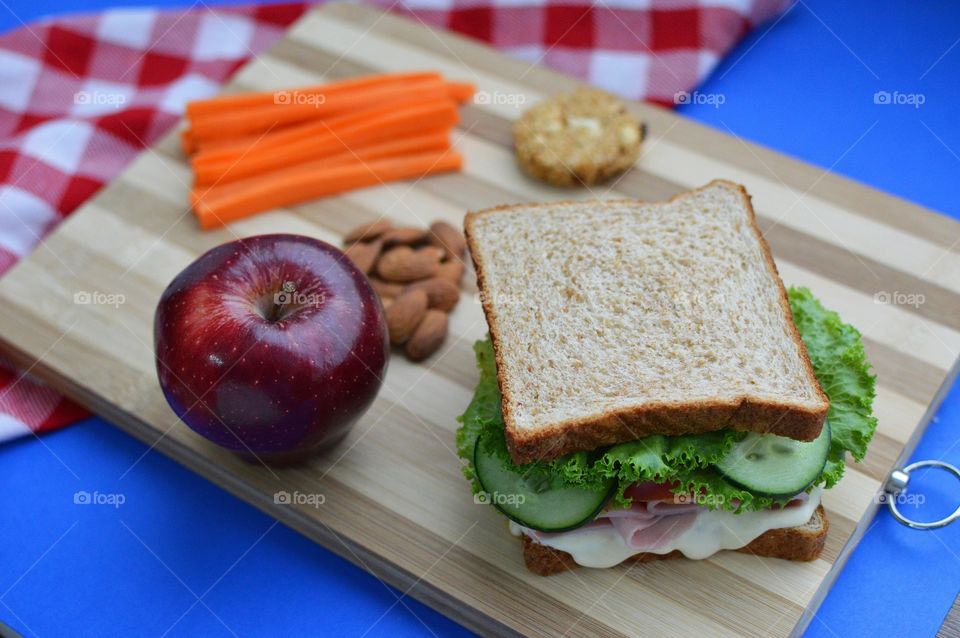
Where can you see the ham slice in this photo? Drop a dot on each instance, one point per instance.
(647, 525)
(643, 526)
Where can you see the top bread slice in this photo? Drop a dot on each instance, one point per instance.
(615, 320)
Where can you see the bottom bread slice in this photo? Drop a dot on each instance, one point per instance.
(802, 543)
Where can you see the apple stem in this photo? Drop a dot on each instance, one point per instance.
(280, 300)
(274, 314)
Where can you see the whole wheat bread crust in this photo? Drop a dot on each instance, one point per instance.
(618, 426)
(790, 543)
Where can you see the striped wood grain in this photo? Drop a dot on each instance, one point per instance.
(395, 501)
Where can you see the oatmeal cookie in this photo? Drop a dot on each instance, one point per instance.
(584, 137)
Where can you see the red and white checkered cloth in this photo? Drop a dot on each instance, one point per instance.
(80, 97)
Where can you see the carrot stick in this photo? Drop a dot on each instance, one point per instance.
(187, 142)
(263, 120)
(225, 103)
(220, 150)
(429, 116)
(435, 141)
(421, 143)
(296, 108)
(460, 92)
(237, 146)
(312, 180)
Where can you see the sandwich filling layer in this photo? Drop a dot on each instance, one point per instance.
(660, 527)
(692, 464)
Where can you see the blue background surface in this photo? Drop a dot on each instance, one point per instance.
(803, 85)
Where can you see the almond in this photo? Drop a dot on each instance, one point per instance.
(403, 264)
(405, 314)
(452, 271)
(407, 236)
(364, 256)
(442, 294)
(438, 253)
(368, 232)
(385, 289)
(428, 336)
(451, 240)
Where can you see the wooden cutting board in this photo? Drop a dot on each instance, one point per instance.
(395, 502)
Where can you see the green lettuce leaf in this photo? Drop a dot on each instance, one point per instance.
(662, 458)
(839, 362)
(483, 411)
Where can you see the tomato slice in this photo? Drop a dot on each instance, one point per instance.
(650, 491)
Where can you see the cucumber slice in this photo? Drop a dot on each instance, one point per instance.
(775, 466)
(533, 499)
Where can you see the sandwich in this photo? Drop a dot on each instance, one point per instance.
(649, 389)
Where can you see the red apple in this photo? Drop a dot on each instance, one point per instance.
(271, 346)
